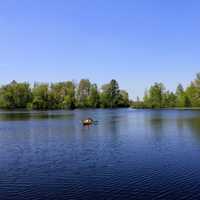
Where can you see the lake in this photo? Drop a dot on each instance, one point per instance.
(128, 154)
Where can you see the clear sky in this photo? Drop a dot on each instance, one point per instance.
(136, 42)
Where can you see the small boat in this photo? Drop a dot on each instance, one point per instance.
(87, 122)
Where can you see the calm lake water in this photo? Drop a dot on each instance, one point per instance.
(129, 154)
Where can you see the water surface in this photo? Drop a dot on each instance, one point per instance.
(129, 154)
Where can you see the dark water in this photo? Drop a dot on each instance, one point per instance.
(129, 154)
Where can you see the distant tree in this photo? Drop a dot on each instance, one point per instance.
(41, 96)
(105, 96)
(66, 95)
(110, 95)
(15, 95)
(114, 93)
(169, 100)
(182, 99)
(179, 90)
(197, 81)
(70, 99)
(193, 92)
(146, 99)
(94, 97)
(62, 95)
(57, 93)
(123, 99)
(155, 96)
(83, 93)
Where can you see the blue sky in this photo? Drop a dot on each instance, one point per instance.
(136, 42)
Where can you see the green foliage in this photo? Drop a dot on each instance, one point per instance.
(57, 95)
(193, 92)
(66, 95)
(70, 99)
(169, 100)
(15, 95)
(110, 95)
(155, 96)
(41, 97)
(94, 97)
(182, 99)
(83, 93)
(105, 96)
(123, 100)
(193, 95)
(62, 95)
(158, 97)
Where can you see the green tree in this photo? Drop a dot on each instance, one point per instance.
(114, 93)
(182, 99)
(169, 100)
(70, 99)
(193, 92)
(105, 96)
(41, 96)
(110, 95)
(15, 95)
(94, 97)
(123, 99)
(83, 93)
(155, 96)
(57, 94)
(197, 81)
(146, 99)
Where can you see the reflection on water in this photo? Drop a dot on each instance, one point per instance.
(192, 123)
(12, 116)
(128, 154)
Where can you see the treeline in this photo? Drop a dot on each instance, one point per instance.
(62, 95)
(158, 97)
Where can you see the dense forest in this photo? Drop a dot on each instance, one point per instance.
(68, 95)
(158, 97)
(62, 95)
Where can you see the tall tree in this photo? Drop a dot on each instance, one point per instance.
(114, 93)
(15, 95)
(123, 99)
(105, 96)
(41, 96)
(83, 93)
(57, 94)
(94, 97)
(155, 96)
(169, 100)
(70, 99)
(182, 100)
(110, 95)
(193, 92)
